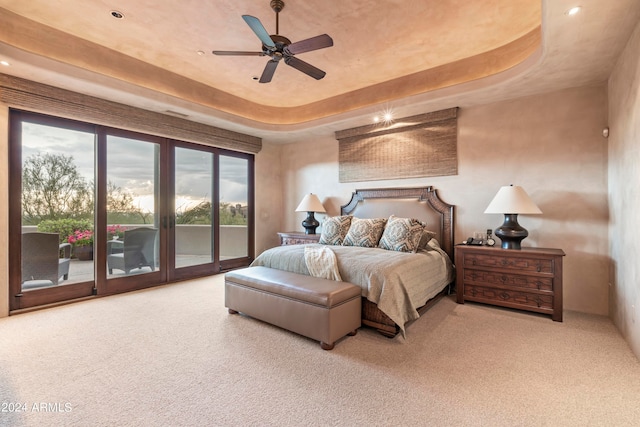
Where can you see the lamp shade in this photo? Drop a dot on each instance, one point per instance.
(512, 199)
(310, 203)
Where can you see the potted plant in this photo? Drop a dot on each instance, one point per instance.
(82, 241)
(115, 232)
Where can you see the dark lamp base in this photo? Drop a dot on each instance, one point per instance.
(310, 224)
(510, 232)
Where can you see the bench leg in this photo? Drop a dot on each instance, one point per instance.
(352, 333)
(232, 311)
(326, 346)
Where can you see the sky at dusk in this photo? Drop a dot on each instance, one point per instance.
(131, 165)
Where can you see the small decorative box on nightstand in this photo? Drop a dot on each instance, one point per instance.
(297, 238)
(527, 279)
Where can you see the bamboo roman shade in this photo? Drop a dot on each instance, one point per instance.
(37, 97)
(417, 146)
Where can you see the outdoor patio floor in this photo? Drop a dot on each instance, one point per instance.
(83, 271)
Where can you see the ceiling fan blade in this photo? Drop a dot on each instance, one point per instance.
(306, 68)
(267, 74)
(314, 43)
(233, 52)
(258, 28)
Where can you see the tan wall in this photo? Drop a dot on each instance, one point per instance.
(4, 212)
(268, 189)
(624, 191)
(550, 144)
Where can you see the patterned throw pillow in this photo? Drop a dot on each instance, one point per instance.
(401, 234)
(334, 230)
(365, 232)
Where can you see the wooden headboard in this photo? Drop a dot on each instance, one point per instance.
(421, 203)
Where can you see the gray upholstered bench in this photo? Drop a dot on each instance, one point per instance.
(321, 309)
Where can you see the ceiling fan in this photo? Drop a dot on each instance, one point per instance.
(279, 48)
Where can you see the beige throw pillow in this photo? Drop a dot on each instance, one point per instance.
(365, 232)
(334, 230)
(401, 234)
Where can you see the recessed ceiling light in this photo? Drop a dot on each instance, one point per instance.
(5, 63)
(573, 10)
(385, 116)
(255, 78)
(200, 52)
(116, 14)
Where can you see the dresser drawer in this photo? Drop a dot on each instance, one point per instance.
(508, 297)
(504, 262)
(540, 283)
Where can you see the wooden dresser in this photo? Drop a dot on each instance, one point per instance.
(297, 238)
(527, 279)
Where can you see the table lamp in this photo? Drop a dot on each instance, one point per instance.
(512, 200)
(310, 204)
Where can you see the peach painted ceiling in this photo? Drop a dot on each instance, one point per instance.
(409, 55)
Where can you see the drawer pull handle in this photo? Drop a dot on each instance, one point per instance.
(539, 283)
(503, 279)
(539, 269)
(473, 262)
(504, 296)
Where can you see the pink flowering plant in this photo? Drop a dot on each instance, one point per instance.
(115, 232)
(81, 238)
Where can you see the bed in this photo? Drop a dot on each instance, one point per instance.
(397, 287)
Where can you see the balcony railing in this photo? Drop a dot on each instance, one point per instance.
(196, 239)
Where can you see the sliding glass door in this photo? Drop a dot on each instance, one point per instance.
(52, 213)
(212, 211)
(134, 191)
(192, 221)
(235, 210)
(97, 211)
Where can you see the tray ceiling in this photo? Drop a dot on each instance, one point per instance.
(383, 51)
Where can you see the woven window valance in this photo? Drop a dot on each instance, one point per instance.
(413, 147)
(41, 98)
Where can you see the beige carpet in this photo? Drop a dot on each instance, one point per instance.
(172, 356)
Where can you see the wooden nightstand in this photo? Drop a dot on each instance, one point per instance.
(527, 279)
(297, 238)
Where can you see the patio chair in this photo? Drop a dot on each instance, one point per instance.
(44, 260)
(136, 250)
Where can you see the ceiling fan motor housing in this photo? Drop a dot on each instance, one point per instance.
(280, 41)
